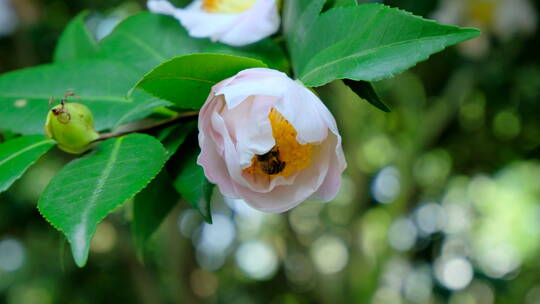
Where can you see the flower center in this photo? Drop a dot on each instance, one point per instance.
(482, 11)
(287, 157)
(227, 6)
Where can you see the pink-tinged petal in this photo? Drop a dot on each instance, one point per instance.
(338, 164)
(210, 158)
(330, 186)
(215, 169)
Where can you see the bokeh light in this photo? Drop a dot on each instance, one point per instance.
(257, 260)
(214, 242)
(454, 273)
(329, 254)
(8, 18)
(402, 234)
(386, 186)
(12, 255)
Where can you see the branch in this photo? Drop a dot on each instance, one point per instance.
(182, 117)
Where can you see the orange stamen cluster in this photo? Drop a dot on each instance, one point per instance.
(294, 155)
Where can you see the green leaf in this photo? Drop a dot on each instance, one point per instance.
(151, 206)
(187, 80)
(366, 42)
(298, 18)
(174, 136)
(340, 3)
(365, 90)
(145, 40)
(147, 212)
(18, 154)
(101, 85)
(143, 105)
(86, 190)
(193, 186)
(76, 42)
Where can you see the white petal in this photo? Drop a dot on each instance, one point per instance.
(250, 82)
(259, 22)
(299, 103)
(513, 17)
(161, 7)
(450, 11)
(249, 126)
(200, 23)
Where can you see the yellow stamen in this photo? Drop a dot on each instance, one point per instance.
(292, 155)
(227, 6)
(482, 11)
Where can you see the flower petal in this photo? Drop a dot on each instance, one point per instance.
(259, 22)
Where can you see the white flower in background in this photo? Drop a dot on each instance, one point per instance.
(8, 18)
(503, 18)
(233, 22)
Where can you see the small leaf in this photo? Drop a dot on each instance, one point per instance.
(365, 90)
(174, 136)
(86, 190)
(76, 42)
(18, 154)
(193, 186)
(187, 80)
(151, 206)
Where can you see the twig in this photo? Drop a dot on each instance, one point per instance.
(161, 124)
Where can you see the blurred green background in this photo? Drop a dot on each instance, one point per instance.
(440, 203)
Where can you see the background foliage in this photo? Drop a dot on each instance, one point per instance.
(440, 202)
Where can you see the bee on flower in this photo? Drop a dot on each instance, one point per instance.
(233, 22)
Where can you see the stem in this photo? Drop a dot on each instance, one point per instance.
(161, 124)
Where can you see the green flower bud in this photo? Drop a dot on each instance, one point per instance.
(71, 125)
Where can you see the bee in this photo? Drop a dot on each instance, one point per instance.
(270, 163)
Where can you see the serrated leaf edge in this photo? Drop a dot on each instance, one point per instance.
(83, 263)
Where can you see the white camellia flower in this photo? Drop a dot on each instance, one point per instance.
(233, 22)
(503, 18)
(269, 140)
